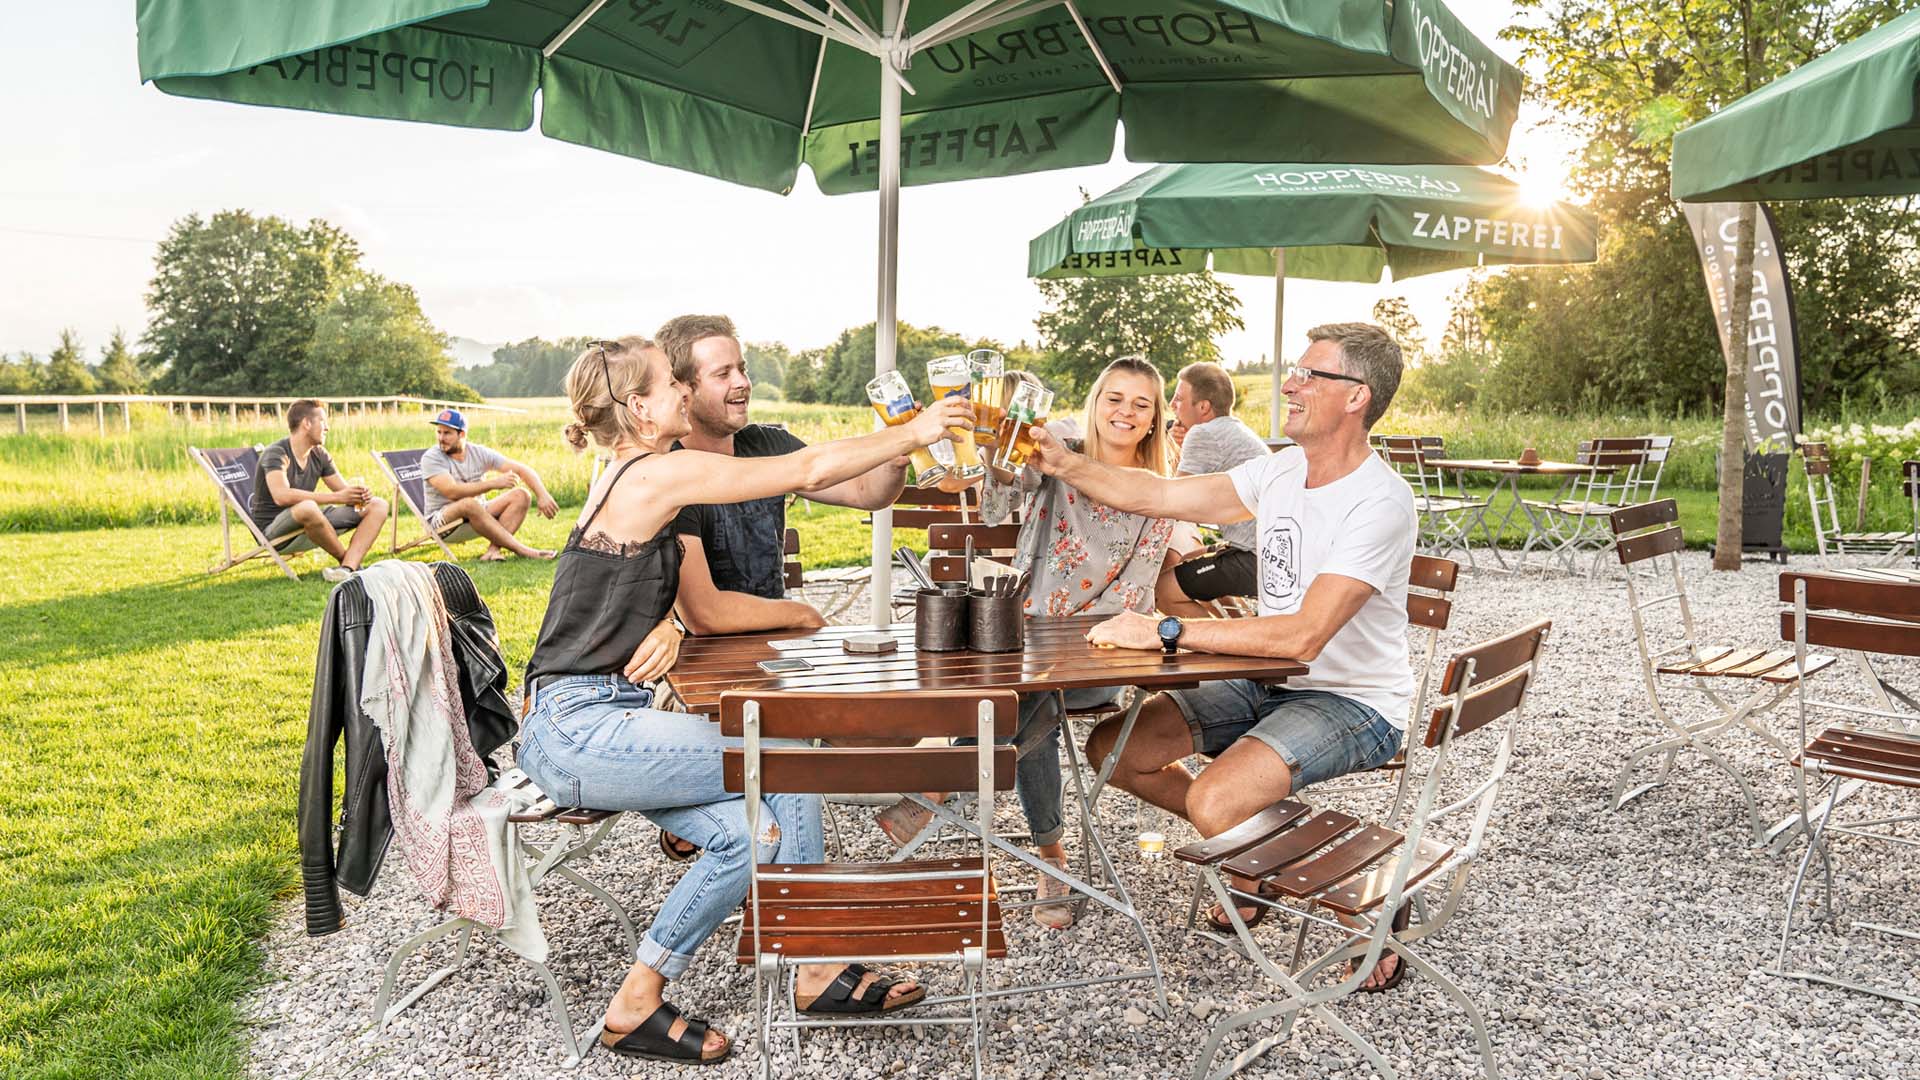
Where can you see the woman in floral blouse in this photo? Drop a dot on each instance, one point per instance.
(1084, 558)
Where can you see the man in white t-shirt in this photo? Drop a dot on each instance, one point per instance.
(1336, 529)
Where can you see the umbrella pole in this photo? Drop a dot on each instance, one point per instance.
(886, 326)
(1279, 309)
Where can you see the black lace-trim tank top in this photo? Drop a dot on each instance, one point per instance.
(607, 597)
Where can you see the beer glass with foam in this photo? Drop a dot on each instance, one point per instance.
(1027, 409)
(951, 376)
(989, 370)
(893, 401)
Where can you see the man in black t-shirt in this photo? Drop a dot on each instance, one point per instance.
(731, 579)
(287, 496)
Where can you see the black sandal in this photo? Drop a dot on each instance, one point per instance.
(838, 998)
(670, 847)
(1400, 921)
(1217, 918)
(650, 1041)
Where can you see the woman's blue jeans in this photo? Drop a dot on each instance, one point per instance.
(596, 741)
(1037, 777)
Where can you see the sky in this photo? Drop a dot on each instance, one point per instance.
(509, 235)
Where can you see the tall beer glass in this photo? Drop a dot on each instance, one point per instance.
(989, 370)
(951, 376)
(894, 403)
(1026, 410)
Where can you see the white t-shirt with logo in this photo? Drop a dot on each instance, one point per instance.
(1360, 526)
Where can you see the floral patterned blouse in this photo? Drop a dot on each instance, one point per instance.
(1086, 558)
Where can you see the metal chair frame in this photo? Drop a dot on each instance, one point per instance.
(580, 837)
(1841, 782)
(1436, 894)
(773, 974)
(1817, 463)
(1448, 518)
(1576, 521)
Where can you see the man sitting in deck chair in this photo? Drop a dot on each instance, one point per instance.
(287, 496)
(455, 471)
(1336, 535)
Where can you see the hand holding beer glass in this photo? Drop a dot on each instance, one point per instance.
(989, 370)
(893, 401)
(952, 376)
(1026, 409)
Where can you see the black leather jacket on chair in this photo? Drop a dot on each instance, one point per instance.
(364, 825)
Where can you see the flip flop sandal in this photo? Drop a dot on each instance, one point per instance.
(838, 998)
(1400, 965)
(650, 1041)
(1217, 918)
(675, 853)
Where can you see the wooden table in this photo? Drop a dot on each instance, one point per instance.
(1056, 658)
(1508, 472)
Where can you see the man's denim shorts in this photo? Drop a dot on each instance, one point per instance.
(1320, 735)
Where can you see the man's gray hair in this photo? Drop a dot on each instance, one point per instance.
(1370, 354)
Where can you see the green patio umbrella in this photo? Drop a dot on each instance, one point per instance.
(869, 94)
(1842, 124)
(1324, 222)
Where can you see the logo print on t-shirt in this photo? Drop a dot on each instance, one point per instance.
(1280, 562)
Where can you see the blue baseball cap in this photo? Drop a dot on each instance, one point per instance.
(450, 418)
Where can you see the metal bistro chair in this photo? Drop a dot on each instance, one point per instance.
(1448, 515)
(1761, 677)
(1579, 522)
(1352, 878)
(1818, 463)
(1910, 487)
(1659, 449)
(923, 912)
(1866, 746)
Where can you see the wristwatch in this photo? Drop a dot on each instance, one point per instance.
(1170, 629)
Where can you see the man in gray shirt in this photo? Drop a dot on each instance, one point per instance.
(1211, 440)
(455, 471)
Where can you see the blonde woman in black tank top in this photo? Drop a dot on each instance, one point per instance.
(592, 737)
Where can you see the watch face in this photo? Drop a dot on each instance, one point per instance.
(1169, 628)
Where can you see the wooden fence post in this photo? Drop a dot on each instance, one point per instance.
(100, 416)
(20, 416)
(63, 416)
(126, 416)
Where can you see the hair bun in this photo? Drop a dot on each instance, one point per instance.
(576, 436)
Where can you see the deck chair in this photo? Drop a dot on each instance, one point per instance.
(1741, 684)
(1875, 748)
(233, 470)
(922, 912)
(1818, 462)
(402, 467)
(1332, 871)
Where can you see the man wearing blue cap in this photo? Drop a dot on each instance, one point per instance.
(458, 485)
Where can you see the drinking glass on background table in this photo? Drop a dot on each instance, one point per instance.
(989, 370)
(893, 402)
(1027, 408)
(952, 376)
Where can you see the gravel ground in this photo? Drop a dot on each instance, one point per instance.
(1598, 944)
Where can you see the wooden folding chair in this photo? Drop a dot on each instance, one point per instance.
(1333, 871)
(923, 912)
(1577, 521)
(232, 470)
(1867, 748)
(402, 469)
(1762, 677)
(1818, 463)
(1448, 514)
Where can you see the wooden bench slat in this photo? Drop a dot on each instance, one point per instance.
(1254, 830)
(1337, 863)
(1706, 656)
(1291, 845)
(834, 945)
(1366, 891)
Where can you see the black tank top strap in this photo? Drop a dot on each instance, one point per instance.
(611, 484)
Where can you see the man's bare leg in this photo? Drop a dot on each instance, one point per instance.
(511, 511)
(1150, 766)
(365, 533)
(313, 521)
(490, 529)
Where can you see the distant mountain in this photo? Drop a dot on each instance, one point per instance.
(470, 353)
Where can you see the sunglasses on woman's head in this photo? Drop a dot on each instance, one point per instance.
(606, 365)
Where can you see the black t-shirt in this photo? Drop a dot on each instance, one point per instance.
(280, 456)
(743, 540)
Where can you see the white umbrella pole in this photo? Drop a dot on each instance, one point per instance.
(886, 324)
(1279, 309)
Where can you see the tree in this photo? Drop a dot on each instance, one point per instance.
(119, 372)
(22, 374)
(1393, 314)
(535, 367)
(1170, 319)
(1627, 74)
(372, 334)
(767, 362)
(66, 371)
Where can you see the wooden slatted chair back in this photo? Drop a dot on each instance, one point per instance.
(790, 568)
(947, 545)
(1815, 458)
(1877, 617)
(1487, 682)
(828, 715)
(1431, 609)
(1646, 531)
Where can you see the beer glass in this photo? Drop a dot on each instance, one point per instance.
(951, 376)
(989, 370)
(358, 481)
(1026, 410)
(893, 402)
